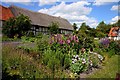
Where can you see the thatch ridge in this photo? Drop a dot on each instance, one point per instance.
(41, 19)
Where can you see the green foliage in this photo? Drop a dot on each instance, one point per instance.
(114, 47)
(103, 29)
(86, 42)
(76, 68)
(16, 63)
(101, 26)
(25, 39)
(100, 34)
(75, 28)
(95, 60)
(109, 70)
(43, 43)
(86, 31)
(9, 27)
(19, 25)
(54, 28)
(79, 63)
(31, 34)
(84, 27)
(117, 24)
(23, 24)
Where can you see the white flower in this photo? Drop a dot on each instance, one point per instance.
(72, 59)
(83, 59)
(75, 60)
(83, 62)
(78, 58)
(91, 64)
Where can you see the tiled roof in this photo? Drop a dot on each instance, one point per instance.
(113, 32)
(5, 13)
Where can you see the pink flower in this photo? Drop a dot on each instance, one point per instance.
(77, 41)
(68, 41)
(61, 42)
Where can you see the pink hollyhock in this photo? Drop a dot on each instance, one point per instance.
(68, 41)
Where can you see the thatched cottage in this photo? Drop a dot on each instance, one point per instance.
(40, 22)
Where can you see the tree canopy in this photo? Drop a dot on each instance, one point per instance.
(54, 28)
(17, 26)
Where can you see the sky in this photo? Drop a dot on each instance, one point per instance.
(92, 12)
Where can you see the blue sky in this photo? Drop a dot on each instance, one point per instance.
(75, 11)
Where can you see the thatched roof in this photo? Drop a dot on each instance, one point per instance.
(41, 19)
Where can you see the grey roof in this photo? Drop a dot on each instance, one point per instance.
(41, 19)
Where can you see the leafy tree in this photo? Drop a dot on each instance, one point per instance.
(117, 23)
(54, 28)
(85, 30)
(84, 27)
(103, 29)
(101, 26)
(19, 25)
(23, 24)
(75, 26)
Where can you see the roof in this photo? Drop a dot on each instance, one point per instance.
(5, 13)
(41, 19)
(113, 31)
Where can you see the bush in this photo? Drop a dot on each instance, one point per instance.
(114, 47)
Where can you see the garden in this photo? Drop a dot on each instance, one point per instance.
(76, 55)
(58, 56)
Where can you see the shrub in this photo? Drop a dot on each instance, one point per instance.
(114, 47)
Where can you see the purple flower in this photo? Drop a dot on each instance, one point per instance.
(104, 41)
(73, 38)
(61, 42)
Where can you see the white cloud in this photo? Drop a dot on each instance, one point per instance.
(47, 2)
(103, 2)
(15, 0)
(75, 12)
(115, 19)
(115, 7)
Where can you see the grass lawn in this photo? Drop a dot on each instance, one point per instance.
(109, 70)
